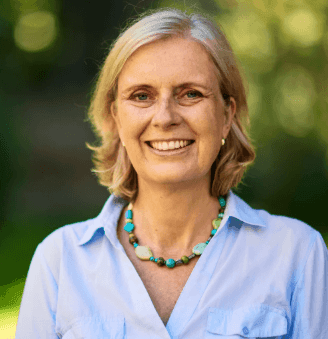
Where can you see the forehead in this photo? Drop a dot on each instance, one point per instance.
(169, 61)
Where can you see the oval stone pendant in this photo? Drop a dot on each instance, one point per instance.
(143, 252)
(199, 248)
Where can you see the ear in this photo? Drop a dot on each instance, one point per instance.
(230, 112)
(113, 111)
(108, 123)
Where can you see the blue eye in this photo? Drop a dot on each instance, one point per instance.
(194, 94)
(141, 96)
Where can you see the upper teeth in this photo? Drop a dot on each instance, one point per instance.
(163, 145)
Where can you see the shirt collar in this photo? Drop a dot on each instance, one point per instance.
(106, 220)
(109, 216)
(237, 208)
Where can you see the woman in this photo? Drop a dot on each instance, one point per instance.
(174, 252)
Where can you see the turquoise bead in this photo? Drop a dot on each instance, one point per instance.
(151, 258)
(128, 214)
(170, 263)
(135, 245)
(213, 232)
(156, 259)
(222, 201)
(220, 215)
(207, 242)
(129, 227)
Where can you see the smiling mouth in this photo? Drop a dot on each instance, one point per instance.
(169, 146)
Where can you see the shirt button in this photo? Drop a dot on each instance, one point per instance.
(245, 330)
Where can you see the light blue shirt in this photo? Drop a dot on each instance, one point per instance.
(260, 276)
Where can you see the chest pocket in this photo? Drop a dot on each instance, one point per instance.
(252, 322)
(96, 328)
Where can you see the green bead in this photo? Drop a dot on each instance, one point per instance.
(216, 223)
(185, 259)
(220, 215)
(160, 261)
(170, 263)
(199, 248)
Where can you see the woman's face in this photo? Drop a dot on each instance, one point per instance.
(168, 93)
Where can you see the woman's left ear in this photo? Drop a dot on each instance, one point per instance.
(230, 111)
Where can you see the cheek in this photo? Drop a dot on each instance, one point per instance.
(133, 130)
(212, 133)
(130, 122)
(210, 126)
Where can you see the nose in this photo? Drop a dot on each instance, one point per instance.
(166, 113)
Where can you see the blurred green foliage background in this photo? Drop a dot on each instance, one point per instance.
(50, 55)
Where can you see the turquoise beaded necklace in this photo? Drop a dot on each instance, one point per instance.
(145, 253)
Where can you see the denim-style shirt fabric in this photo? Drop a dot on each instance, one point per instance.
(261, 276)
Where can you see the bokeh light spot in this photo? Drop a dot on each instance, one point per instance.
(250, 38)
(303, 27)
(36, 31)
(294, 101)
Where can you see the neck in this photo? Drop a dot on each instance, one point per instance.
(172, 220)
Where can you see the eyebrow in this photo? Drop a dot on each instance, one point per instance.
(183, 85)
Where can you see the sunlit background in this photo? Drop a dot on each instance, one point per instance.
(50, 54)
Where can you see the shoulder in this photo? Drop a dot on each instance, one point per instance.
(66, 243)
(288, 238)
(62, 242)
(290, 228)
(277, 240)
(69, 234)
(296, 238)
(270, 228)
(243, 211)
(290, 233)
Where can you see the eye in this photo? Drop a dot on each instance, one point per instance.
(194, 94)
(141, 96)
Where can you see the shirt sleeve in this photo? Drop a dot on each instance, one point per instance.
(309, 306)
(37, 314)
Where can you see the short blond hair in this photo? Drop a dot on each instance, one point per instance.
(112, 164)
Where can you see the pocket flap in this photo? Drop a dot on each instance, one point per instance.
(254, 321)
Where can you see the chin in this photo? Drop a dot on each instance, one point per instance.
(174, 178)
